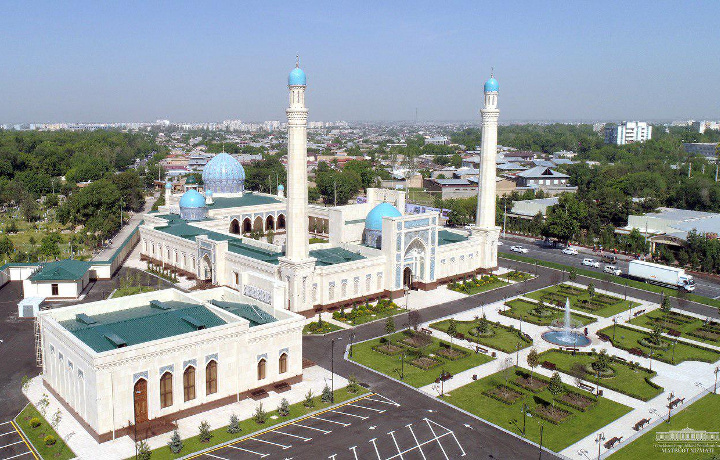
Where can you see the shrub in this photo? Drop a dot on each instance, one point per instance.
(234, 426)
(353, 386)
(260, 416)
(326, 395)
(175, 443)
(34, 422)
(143, 451)
(205, 433)
(284, 408)
(49, 440)
(309, 401)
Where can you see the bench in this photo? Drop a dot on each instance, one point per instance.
(280, 387)
(425, 331)
(675, 402)
(585, 386)
(603, 337)
(636, 352)
(639, 425)
(481, 349)
(548, 365)
(639, 312)
(619, 358)
(260, 393)
(612, 441)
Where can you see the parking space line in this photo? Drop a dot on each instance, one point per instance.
(8, 445)
(409, 426)
(389, 401)
(22, 436)
(354, 451)
(313, 428)
(18, 455)
(380, 411)
(215, 456)
(376, 449)
(283, 446)
(5, 434)
(293, 435)
(332, 421)
(392, 435)
(351, 415)
(248, 450)
(4, 423)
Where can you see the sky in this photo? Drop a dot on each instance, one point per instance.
(365, 61)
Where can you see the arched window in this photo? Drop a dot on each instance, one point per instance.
(283, 363)
(189, 383)
(281, 222)
(235, 226)
(261, 369)
(247, 226)
(258, 224)
(211, 377)
(166, 390)
(270, 223)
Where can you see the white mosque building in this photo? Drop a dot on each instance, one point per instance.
(372, 249)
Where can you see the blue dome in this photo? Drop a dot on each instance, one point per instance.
(297, 77)
(224, 174)
(208, 193)
(168, 185)
(374, 219)
(192, 199)
(492, 85)
(281, 187)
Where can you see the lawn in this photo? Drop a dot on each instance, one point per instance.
(631, 381)
(575, 426)
(695, 417)
(320, 328)
(364, 313)
(528, 311)
(131, 290)
(427, 354)
(477, 285)
(689, 327)
(498, 336)
(669, 352)
(59, 450)
(600, 304)
(248, 426)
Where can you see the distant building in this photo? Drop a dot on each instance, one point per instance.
(451, 188)
(705, 149)
(670, 226)
(439, 140)
(701, 126)
(628, 132)
(527, 209)
(541, 176)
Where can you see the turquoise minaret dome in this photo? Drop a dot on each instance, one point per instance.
(297, 76)
(492, 85)
(168, 185)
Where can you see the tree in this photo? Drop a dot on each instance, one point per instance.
(49, 246)
(665, 306)
(414, 319)
(309, 401)
(353, 385)
(572, 274)
(143, 450)
(555, 387)
(389, 325)
(175, 444)
(6, 245)
(326, 396)
(204, 431)
(260, 416)
(533, 361)
(234, 426)
(591, 290)
(284, 408)
(452, 328)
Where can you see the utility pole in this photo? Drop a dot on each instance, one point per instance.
(504, 218)
(335, 191)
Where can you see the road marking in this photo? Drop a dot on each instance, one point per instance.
(351, 415)
(4, 423)
(392, 435)
(18, 455)
(293, 435)
(354, 451)
(27, 444)
(409, 426)
(331, 421)
(389, 401)
(376, 449)
(449, 431)
(313, 428)
(5, 434)
(380, 411)
(215, 456)
(283, 446)
(8, 445)
(247, 450)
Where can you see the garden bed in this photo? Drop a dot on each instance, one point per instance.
(503, 338)
(477, 285)
(425, 362)
(364, 313)
(388, 349)
(504, 393)
(551, 414)
(528, 311)
(576, 400)
(535, 384)
(452, 353)
(317, 328)
(580, 299)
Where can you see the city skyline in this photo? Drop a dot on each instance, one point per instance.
(105, 63)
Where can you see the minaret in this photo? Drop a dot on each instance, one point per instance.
(486, 230)
(297, 200)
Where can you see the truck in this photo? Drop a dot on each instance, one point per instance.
(661, 275)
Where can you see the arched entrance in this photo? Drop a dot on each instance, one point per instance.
(140, 399)
(415, 260)
(235, 226)
(206, 269)
(281, 222)
(258, 224)
(270, 223)
(247, 226)
(407, 277)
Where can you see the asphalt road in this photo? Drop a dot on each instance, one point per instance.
(537, 251)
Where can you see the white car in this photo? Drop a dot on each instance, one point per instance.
(591, 263)
(612, 269)
(519, 249)
(570, 251)
(500, 243)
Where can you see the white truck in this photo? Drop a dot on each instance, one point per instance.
(661, 274)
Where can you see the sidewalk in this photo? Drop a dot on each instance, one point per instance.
(124, 232)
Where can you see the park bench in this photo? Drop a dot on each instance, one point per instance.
(612, 441)
(260, 393)
(585, 386)
(639, 425)
(426, 331)
(280, 387)
(548, 365)
(619, 358)
(603, 337)
(639, 312)
(675, 402)
(481, 349)
(636, 352)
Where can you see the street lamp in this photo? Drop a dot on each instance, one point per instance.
(332, 369)
(352, 339)
(670, 398)
(717, 371)
(517, 354)
(402, 366)
(614, 327)
(599, 439)
(541, 439)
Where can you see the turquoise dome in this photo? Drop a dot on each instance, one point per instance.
(374, 219)
(224, 174)
(208, 193)
(281, 187)
(191, 180)
(297, 77)
(168, 185)
(491, 85)
(192, 199)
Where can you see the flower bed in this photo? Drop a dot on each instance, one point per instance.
(451, 353)
(576, 400)
(388, 349)
(554, 415)
(477, 285)
(425, 362)
(535, 384)
(317, 327)
(363, 313)
(504, 394)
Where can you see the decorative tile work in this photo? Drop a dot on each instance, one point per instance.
(212, 357)
(417, 223)
(262, 356)
(190, 362)
(169, 368)
(140, 375)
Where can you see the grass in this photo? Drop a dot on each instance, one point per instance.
(684, 324)
(556, 437)
(698, 417)
(626, 380)
(505, 337)
(131, 290)
(559, 293)
(364, 313)
(248, 426)
(628, 338)
(316, 328)
(524, 308)
(59, 450)
(363, 353)
(607, 277)
(317, 240)
(493, 284)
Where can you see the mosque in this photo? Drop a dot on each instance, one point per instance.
(372, 249)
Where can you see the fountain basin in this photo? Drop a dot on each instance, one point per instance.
(566, 338)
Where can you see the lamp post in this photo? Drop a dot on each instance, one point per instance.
(652, 352)
(352, 339)
(332, 369)
(670, 398)
(717, 371)
(599, 439)
(524, 409)
(517, 354)
(541, 439)
(673, 355)
(402, 366)
(614, 327)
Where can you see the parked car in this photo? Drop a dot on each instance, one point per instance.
(570, 251)
(609, 259)
(500, 243)
(591, 263)
(519, 249)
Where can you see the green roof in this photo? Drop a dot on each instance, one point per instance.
(62, 270)
(133, 326)
(355, 221)
(332, 256)
(255, 315)
(446, 237)
(247, 199)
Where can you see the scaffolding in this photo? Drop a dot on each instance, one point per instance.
(38, 343)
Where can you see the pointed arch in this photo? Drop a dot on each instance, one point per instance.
(211, 377)
(166, 390)
(270, 223)
(235, 226)
(140, 401)
(281, 222)
(282, 363)
(261, 368)
(247, 225)
(258, 224)
(189, 383)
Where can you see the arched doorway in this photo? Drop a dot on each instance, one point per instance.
(235, 226)
(140, 399)
(415, 259)
(258, 224)
(281, 222)
(206, 269)
(247, 226)
(407, 277)
(270, 223)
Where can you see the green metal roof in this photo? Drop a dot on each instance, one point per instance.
(133, 326)
(333, 256)
(355, 221)
(62, 270)
(255, 315)
(247, 199)
(446, 237)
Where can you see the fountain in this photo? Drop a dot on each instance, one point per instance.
(565, 336)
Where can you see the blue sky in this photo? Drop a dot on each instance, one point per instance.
(205, 61)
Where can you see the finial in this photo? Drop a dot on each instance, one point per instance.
(223, 151)
(297, 60)
(492, 72)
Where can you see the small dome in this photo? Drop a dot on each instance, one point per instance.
(297, 77)
(191, 180)
(281, 187)
(208, 193)
(168, 185)
(192, 199)
(223, 174)
(492, 85)
(374, 219)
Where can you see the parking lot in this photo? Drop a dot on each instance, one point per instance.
(368, 428)
(12, 444)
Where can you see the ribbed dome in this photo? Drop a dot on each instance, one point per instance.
(224, 174)
(297, 77)
(374, 219)
(192, 199)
